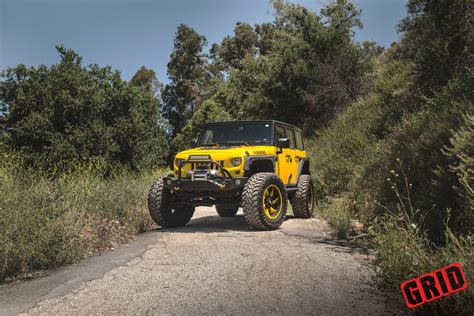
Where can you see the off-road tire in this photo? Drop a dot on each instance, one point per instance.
(226, 211)
(252, 196)
(300, 203)
(161, 212)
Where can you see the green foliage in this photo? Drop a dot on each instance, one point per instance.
(401, 157)
(336, 212)
(392, 133)
(146, 79)
(302, 69)
(67, 113)
(359, 150)
(344, 149)
(233, 49)
(438, 38)
(419, 141)
(404, 252)
(186, 60)
(49, 221)
(190, 78)
(461, 156)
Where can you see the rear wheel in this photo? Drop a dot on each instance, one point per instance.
(302, 200)
(160, 210)
(264, 201)
(227, 211)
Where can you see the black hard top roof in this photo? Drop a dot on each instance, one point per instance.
(263, 121)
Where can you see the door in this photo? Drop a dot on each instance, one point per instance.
(291, 156)
(287, 160)
(283, 167)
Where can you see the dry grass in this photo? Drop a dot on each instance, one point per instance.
(46, 221)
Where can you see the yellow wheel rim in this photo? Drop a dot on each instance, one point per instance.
(272, 202)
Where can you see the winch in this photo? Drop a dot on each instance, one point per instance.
(202, 174)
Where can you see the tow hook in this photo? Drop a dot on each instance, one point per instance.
(219, 185)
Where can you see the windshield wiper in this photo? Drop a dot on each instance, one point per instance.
(236, 143)
(209, 144)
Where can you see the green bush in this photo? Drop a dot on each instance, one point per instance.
(460, 153)
(402, 163)
(352, 148)
(66, 114)
(403, 252)
(418, 140)
(50, 220)
(336, 213)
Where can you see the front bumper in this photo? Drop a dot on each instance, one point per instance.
(218, 184)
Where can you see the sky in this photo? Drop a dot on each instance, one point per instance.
(127, 34)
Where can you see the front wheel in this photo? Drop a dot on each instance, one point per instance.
(302, 200)
(264, 201)
(160, 210)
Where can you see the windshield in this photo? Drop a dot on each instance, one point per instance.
(237, 133)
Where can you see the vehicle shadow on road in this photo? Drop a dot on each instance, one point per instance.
(216, 224)
(212, 224)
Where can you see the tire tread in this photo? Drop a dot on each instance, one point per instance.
(158, 197)
(299, 199)
(251, 200)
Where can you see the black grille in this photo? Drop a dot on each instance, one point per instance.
(206, 165)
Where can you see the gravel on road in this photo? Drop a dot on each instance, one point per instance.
(212, 265)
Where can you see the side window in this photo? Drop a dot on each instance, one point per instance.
(299, 141)
(279, 132)
(290, 134)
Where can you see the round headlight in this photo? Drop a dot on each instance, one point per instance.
(236, 161)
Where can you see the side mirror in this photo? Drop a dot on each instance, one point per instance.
(283, 143)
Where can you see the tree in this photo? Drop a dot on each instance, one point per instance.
(438, 38)
(146, 78)
(67, 113)
(303, 68)
(187, 70)
(233, 49)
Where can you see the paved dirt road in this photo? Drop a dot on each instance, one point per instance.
(213, 265)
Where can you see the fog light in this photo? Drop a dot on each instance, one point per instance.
(237, 182)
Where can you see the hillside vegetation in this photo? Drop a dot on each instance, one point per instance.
(48, 220)
(389, 130)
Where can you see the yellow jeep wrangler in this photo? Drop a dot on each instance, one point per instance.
(256, 165)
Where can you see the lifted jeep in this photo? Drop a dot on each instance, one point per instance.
(256, 165)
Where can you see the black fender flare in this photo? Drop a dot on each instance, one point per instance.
(303, 168)
(249, 159)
